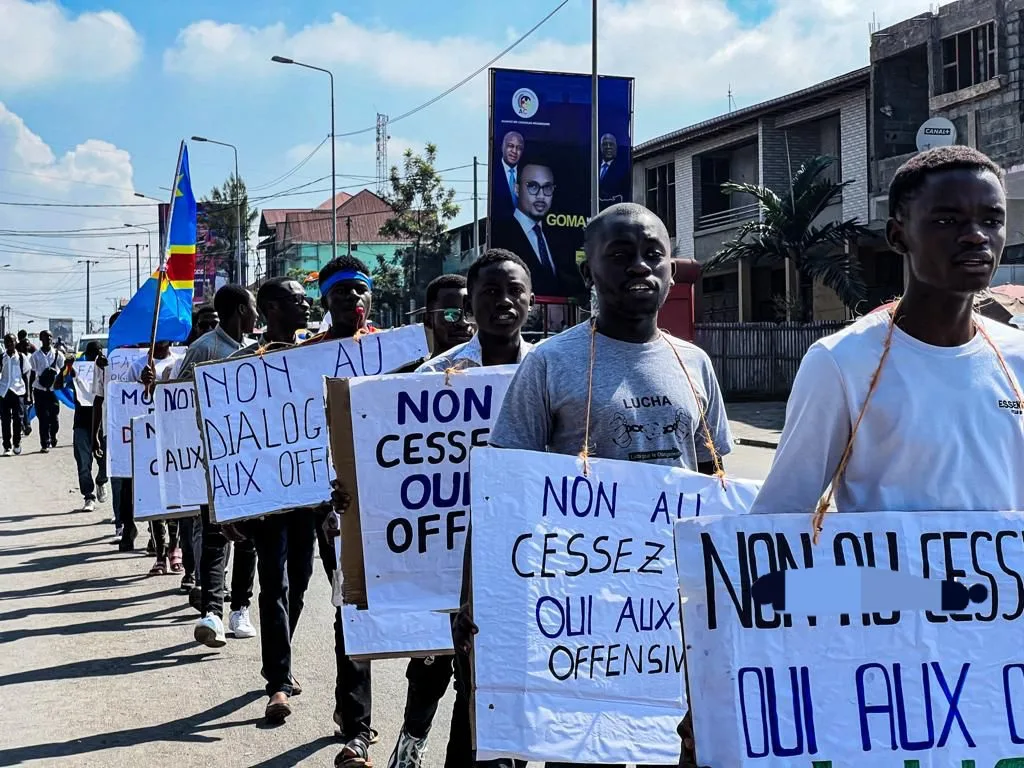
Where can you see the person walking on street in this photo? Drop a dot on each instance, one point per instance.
(82, 433)
(46, 363)
(14, 386)
(236, 308)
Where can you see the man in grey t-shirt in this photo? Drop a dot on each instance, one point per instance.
(654, 398)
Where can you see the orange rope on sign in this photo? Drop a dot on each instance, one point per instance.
(817, 522)
(709, 443)
(584, 453)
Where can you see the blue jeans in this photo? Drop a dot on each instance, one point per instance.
(84, 460)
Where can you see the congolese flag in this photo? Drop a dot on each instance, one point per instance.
(175, 281)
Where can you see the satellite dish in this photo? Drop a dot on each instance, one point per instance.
(936, 132)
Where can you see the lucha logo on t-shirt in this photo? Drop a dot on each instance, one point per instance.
(1013, 406)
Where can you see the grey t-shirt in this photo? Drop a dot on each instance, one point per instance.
(643, 407)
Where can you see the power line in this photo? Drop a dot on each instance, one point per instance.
(465, 80)
(284, 176)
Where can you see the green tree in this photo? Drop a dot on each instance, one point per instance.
(221, 215)
(388, 281)
(424, 208)
(786, 229)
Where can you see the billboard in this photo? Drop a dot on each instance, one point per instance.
(215, 253)
(539, 173)
(61, 329)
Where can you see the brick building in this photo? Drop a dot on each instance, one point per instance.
(962, 62)
(680, 176)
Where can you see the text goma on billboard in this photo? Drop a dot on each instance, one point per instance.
(539, 174)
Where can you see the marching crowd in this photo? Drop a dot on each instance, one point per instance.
(892, 380)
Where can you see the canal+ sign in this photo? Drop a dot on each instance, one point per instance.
(936, 132)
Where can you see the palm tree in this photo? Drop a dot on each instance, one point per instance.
(786, 230)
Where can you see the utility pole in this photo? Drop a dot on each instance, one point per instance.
(476, 213)
(3, 320)
(138, 269)
(88, 286)
(348, 227)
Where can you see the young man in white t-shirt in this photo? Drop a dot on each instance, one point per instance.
(942, 427)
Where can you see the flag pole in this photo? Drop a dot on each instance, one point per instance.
(162, 269)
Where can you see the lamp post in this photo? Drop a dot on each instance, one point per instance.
(334, 191)
(88, 264)
(118, 250)
(240, 276)
(159, 202)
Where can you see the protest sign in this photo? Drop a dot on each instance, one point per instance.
(393, 634)
(179, 445)
(263, 421)
(124, 402)
(148, 498)
(84, 372)
(120, 362)
(885, 687)
(575, 594)
(411, 437)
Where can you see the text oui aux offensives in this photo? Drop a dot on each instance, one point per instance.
(993, 559)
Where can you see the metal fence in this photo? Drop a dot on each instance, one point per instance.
(759, 360)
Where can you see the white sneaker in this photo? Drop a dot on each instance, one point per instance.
(7, 452)
(408, 752)
(90, 506)
(101, 493)
(240, 625)
(210, 632)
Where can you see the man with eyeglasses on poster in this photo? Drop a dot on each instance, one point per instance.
(548, 254)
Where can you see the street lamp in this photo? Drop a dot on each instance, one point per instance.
(334, 192)
(118, 250)
(239, 275)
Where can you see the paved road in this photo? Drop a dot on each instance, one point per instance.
(97, 662)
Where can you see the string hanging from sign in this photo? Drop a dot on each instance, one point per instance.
(584, 454)
(817, 521)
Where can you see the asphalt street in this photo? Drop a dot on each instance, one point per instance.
(97, 662)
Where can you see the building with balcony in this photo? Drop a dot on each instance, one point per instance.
(680, 177)
(964, 63)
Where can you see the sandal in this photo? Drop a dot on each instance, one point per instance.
(355, 754)
(159, 568)
(176, 562)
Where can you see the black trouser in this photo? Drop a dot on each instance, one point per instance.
(190, 532)
(211, 569)
(352, 695)
(10, 418)
(284, 547)
(123, 489)
(165, 537)
(82, 440)
(428, 682)
(460, 740)
(48, 411)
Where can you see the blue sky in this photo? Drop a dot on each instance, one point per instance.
(110, 86)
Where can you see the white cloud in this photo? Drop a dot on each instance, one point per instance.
(44, 279)
(686, 50)
(42, 43)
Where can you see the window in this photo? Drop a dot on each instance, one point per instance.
(661, 194)
(969, 58)
(831, 146)
(714, 172)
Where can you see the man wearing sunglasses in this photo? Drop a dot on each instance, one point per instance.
(445, 317)
(548, 252)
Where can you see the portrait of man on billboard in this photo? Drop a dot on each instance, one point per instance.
(613, 176)
(549, 251)
(506, 182)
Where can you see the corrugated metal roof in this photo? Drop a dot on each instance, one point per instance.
(366, 212)
(734, 119)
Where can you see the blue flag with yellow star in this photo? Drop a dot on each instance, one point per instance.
(173, 282)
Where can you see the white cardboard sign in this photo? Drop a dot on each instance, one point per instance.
(124, 402)
(179, 445)
(373, 634)
(412, 435)
(82, 381)
(889, 688)
(264, 425)
(145, 479)
(120, 362)
(579, 655)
